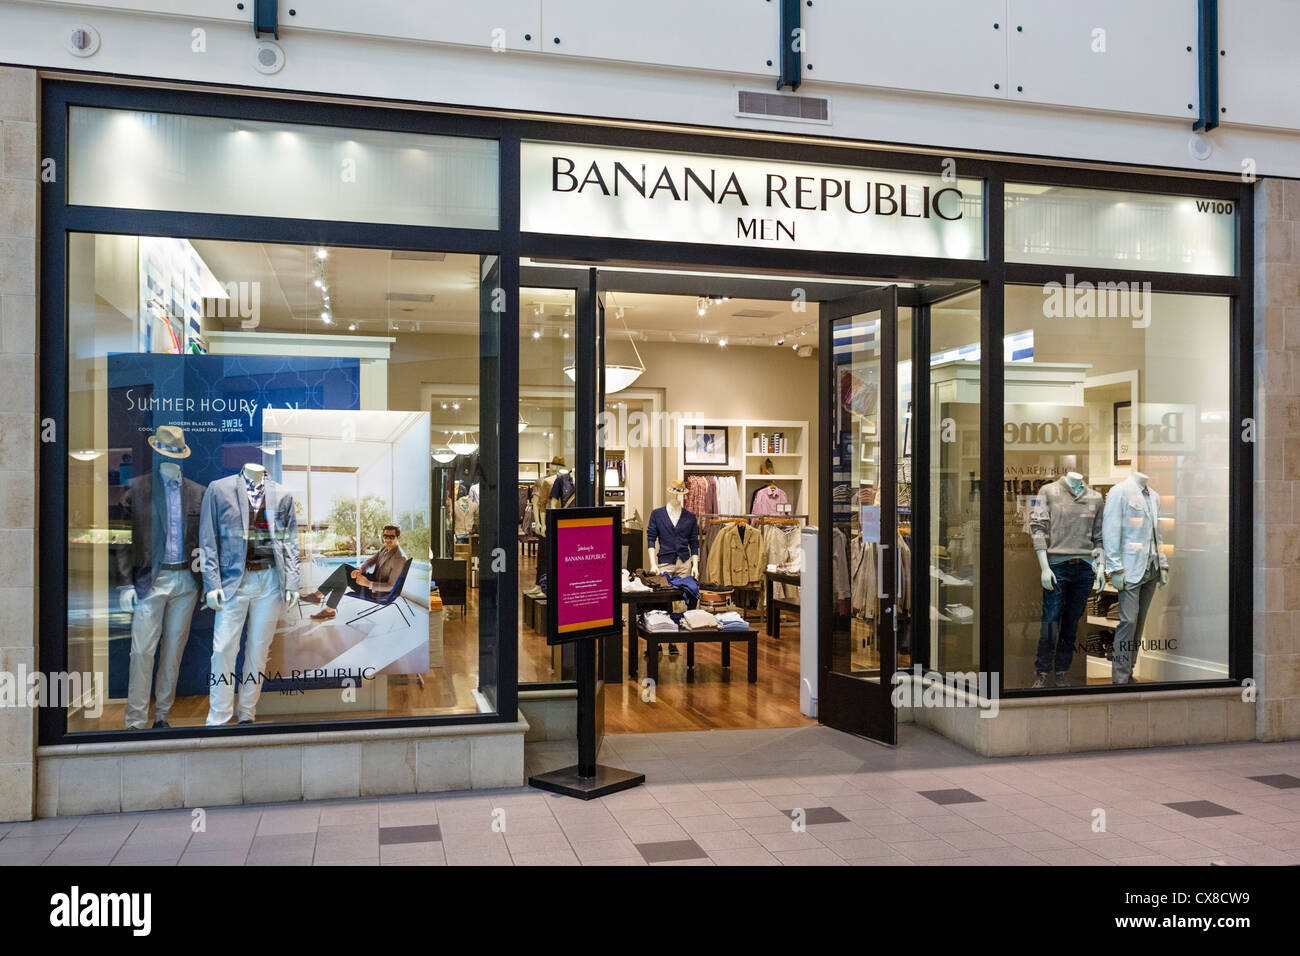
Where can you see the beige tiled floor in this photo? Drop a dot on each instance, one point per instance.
(722, 797)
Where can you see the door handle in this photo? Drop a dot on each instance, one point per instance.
(880, 570)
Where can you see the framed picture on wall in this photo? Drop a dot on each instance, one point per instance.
(1123, 433)
(529, 470)
(704, 445)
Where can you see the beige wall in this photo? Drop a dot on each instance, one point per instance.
(18, 424)
(1277, 459)
(738, 382)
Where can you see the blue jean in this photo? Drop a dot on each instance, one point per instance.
(1062, 608)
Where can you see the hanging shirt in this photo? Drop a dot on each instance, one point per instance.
(769, 500)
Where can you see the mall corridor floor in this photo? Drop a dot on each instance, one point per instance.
(801, 796)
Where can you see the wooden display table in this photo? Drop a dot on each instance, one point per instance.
(636, 601)
(775, 607)
(690, 638)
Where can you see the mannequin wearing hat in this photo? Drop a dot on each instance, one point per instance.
(677, 536)
(673, 536)
(158, 575)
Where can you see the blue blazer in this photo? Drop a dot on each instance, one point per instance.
(223, 534)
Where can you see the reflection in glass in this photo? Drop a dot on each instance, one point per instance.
(953, 572)
(856, 555)
(1117, 448)
(547, 409)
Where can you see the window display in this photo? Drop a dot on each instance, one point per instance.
(1115, 491)
(253, 428)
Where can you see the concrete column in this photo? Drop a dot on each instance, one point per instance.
(18, 480)
(1277, 459)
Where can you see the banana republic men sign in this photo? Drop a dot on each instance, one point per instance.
(619, 193)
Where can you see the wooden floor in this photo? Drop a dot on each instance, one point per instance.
(720, 698)
(717, 699)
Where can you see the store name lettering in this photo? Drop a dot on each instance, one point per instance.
(1064, 432)
(803, 193)
(1167, 431)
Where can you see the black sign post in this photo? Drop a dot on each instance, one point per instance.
(583, 604)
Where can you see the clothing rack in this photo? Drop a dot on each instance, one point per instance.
(781, 519)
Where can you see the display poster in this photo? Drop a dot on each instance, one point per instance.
(583, 582)
(220, 405)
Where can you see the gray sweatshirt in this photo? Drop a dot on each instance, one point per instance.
(1065, 525)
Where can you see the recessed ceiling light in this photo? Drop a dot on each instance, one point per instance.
(321, 254)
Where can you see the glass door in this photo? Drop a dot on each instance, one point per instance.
(860, 547)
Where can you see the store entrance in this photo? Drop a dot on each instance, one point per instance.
(777, 411)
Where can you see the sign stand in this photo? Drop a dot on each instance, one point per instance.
(583, 585)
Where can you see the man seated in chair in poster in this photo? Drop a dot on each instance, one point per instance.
(373, 579)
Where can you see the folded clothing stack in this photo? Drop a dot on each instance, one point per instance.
(654, 582)
(731, 621)
(658, 621)
(698, 620)
(633, 584)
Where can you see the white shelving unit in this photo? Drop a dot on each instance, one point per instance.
(791, 466)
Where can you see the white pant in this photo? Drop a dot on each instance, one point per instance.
(260, 602)
(163, 614)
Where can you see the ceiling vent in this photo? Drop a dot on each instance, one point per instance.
(798, 109)
(418, 256)
(407, 297)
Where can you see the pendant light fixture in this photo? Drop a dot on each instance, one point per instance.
(462, 443)
(617, 377)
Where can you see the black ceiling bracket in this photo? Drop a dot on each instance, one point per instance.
(791, 45)
(1208, 28)
(266, 18)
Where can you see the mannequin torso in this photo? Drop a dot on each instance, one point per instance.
(256, 474)
(673, 508)
(1074, 482)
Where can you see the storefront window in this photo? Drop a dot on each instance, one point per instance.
(208, 164)
(1109, 229)
(953, 572)
(265, 442)
(547, 409)
(1115, 487)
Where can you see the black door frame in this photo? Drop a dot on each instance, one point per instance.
(853, 704)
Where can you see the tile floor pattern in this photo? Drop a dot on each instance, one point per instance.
(728, 797)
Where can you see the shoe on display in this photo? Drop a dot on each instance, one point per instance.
(672, 650)
(324, 614)
(245, 720)
(161, 725)
(310, 597)
(1040, 681)
(1062, 679)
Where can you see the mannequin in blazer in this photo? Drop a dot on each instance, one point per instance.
(158, 575)
(248, 534)
(1136, 563)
